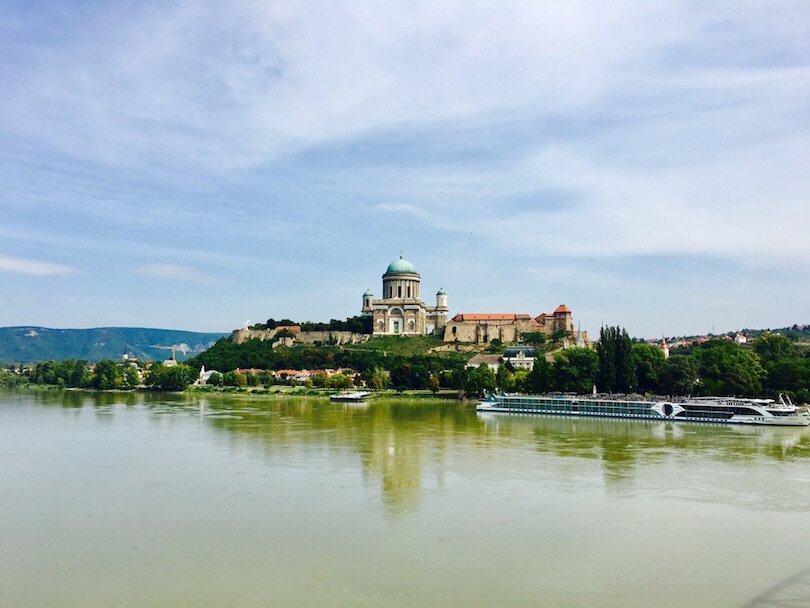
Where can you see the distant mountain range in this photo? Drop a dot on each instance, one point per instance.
(26, 344)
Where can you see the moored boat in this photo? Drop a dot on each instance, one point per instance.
(730, 410)
(353, 397)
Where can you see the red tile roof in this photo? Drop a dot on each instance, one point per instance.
(562, 308)
(489, 316)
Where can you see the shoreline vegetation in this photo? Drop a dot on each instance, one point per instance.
(421, 368)
(272, 392)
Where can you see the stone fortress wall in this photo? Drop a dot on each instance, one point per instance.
(506, 327)
(301, 337)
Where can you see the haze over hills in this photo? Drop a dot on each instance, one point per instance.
(24, 344)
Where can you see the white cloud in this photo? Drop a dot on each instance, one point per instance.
(35, 268)
(179, 272)
(265, 132)
(226, 88)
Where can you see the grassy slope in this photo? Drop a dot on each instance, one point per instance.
(399, 345)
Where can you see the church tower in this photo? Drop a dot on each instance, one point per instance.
(368, 297)
(441, 300)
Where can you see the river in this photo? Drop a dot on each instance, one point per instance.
(171, 500)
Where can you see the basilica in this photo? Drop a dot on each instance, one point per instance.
(400, 312)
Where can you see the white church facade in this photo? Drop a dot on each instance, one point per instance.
(400, 311)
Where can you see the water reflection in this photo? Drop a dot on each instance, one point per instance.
(303, 502)
(628, 441)
(393, 440)
(624, 446)
(399, 443)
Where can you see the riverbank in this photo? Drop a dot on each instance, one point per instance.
(299, 391)
(273, 391)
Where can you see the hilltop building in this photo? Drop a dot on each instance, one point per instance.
(400, 311)
(506, 327)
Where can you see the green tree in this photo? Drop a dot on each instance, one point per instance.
(575, 370)
(215, 379)
(239, 379)
(339, 381)
(505, 379)
(649, 360)
(177, 377)
(540, 378)
(478, 381)
(173, 378)
(376, 378)
(772, 348)
(10, 378)
(617, 370)
(266, 377)
(131, 377)
(725, 368)
(520, 380)
(534, 337)
(678, 375)
(789, 376)
(107, 375)
(79, 374)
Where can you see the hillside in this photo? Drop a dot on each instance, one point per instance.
(26, 344)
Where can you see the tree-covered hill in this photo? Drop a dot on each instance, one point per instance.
(26, 344)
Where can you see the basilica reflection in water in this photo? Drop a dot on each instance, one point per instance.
(403, 446)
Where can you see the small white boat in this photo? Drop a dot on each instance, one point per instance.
(355, 396)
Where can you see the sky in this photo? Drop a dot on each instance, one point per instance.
(195, 165)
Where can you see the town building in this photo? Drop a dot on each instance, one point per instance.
(400, 311)
(519, 357)
(493, 362)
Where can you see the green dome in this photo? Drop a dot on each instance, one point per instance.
(368, 293)
(441, 292)
(401, 265)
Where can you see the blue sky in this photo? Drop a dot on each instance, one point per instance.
(194, 165)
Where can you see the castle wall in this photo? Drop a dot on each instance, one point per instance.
(303, 337)
(507, 331)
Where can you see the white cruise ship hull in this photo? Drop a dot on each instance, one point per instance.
(705, 410)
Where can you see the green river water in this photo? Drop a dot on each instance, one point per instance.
(167, 500)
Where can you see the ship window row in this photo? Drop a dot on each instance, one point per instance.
(722, 412)
(585, 407)
(703, 414)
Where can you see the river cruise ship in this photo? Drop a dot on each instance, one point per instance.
(698, 409)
